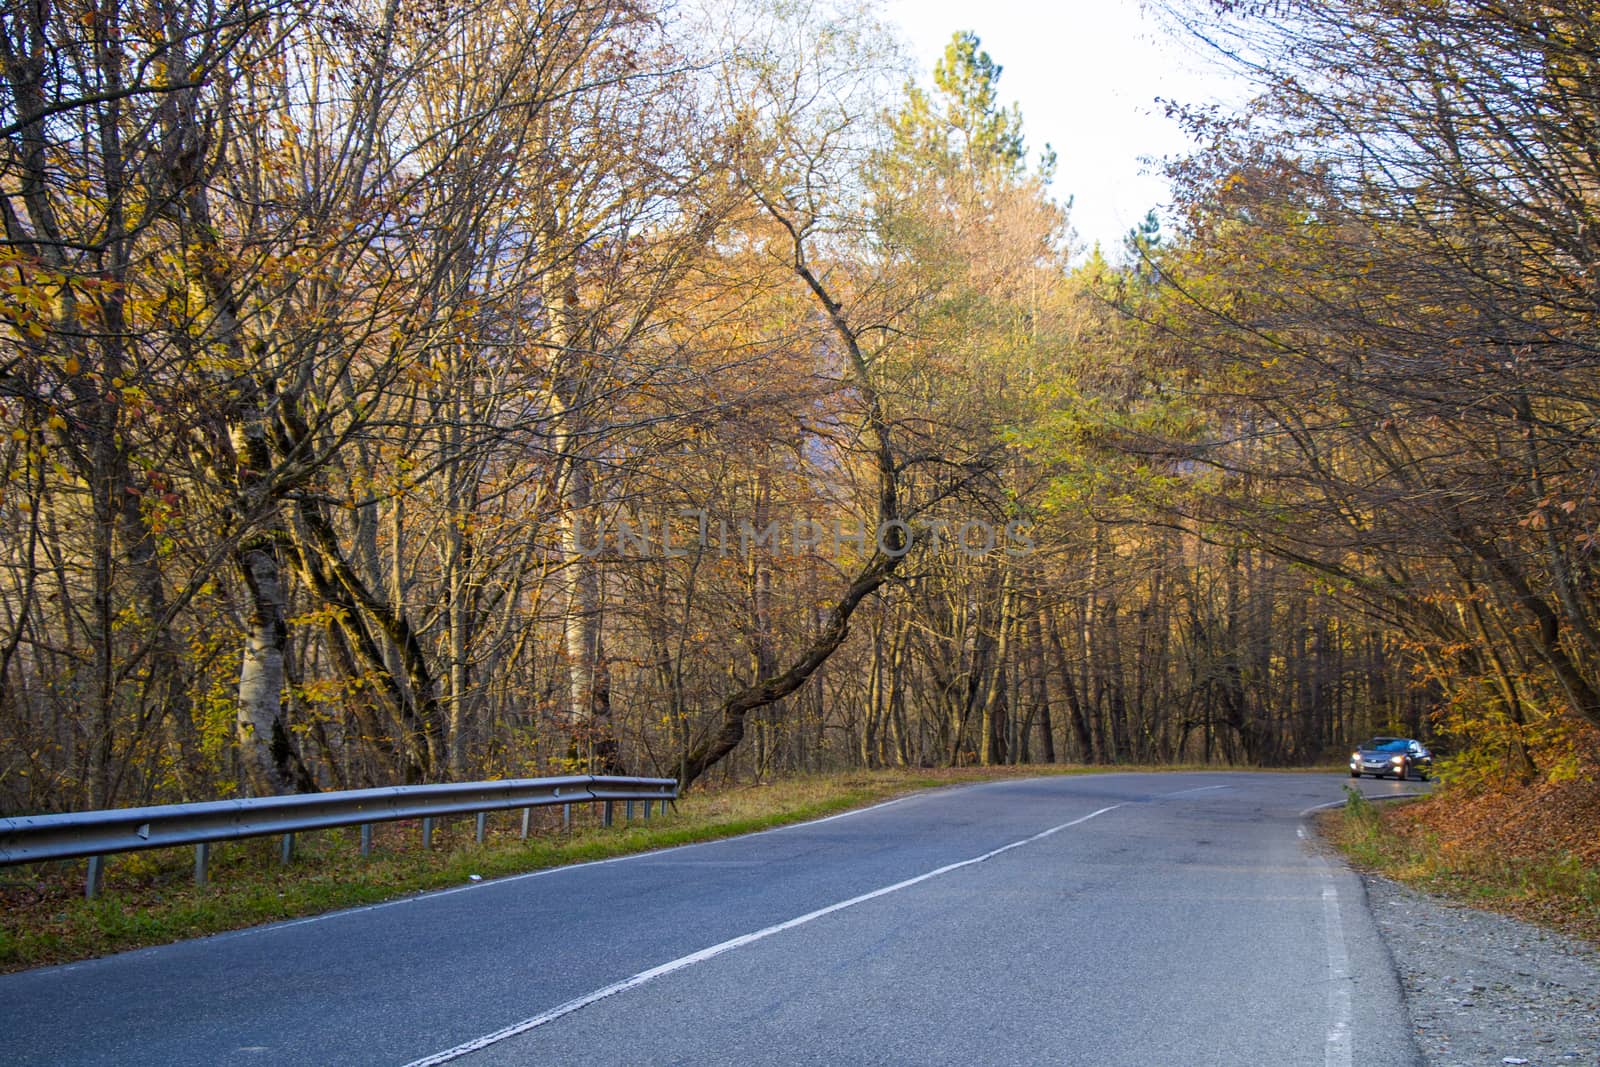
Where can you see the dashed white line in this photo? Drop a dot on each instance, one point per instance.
(825, 818)
(1186, 792)
(634, 981)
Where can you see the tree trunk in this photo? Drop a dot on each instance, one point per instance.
(270, 757)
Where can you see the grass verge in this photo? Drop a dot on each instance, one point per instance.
(1552, 886)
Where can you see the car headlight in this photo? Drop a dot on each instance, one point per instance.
(1398, 759)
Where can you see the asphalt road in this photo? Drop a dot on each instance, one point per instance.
(1143, 919)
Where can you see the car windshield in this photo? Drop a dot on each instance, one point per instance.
(1386, 744)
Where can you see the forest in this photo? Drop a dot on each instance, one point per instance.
(419, 391)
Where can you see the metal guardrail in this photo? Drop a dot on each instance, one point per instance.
(97, 834)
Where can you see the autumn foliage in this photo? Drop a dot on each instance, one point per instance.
(388, 391)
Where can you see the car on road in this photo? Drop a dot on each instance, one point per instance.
(1399, 757)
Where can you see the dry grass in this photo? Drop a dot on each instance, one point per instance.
(1532, 852)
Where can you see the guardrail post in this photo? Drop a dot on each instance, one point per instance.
(483, 822)
(366, 840)
(647, 811)
(202, 852)
(627, 813)
(286, 852)
(527, 814)
(606, 818)
(566, 817)
(427, 832)
(96, 879)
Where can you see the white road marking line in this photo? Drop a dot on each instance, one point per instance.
(825, 818)
(1323, 807)
(578, 1003)
(1364, 796)
(1186, 792)
(1336, 1049)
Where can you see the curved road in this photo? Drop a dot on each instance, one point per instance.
(1098, 919)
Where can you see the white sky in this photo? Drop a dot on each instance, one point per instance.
(1086, 74)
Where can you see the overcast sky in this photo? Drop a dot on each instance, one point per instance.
(1087, 74)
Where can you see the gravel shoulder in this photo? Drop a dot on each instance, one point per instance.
(1484, 988)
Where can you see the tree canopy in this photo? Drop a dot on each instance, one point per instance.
(405, 393)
